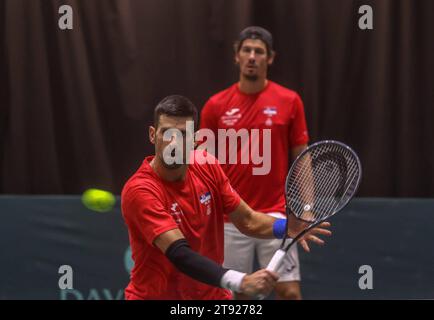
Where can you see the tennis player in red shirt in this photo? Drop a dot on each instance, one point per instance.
(258, 103)
(175, 211)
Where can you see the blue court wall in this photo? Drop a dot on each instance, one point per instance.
(38, 234)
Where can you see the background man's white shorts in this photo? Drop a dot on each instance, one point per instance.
(240, 251)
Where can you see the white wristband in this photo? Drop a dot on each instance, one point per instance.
(232, 280)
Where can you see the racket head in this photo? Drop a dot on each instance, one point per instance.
(322, 180)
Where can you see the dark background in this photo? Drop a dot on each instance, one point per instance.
(75, 105)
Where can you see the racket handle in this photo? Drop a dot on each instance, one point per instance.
(276, 261)
(274, 265)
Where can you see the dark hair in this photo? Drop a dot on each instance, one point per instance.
(176, 106)
(255, 32)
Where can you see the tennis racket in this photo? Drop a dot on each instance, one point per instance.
(320, 183)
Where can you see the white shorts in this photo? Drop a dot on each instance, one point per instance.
(240, 251)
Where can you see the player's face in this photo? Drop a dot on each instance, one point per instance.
(173, 140)
(253, 59)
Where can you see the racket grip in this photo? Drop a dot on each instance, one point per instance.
(276, 261)
(274, 265)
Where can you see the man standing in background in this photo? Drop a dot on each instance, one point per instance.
(258, 103)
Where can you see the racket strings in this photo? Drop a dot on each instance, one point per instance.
(342, 195)
(349, 177)
(347, 193)
(332, 189)
(329, 175)
(347, 190)
(322, 181)
(309, 176)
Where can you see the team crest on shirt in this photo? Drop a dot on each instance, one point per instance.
(205, 199)
(231, 116)
(269, 111)
(176, 212)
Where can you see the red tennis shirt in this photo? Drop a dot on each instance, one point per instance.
(276, 108)
(196, 205)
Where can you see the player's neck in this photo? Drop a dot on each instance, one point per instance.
(166, 174)
(251, 87)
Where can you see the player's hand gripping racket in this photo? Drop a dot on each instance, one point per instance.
(320, 182)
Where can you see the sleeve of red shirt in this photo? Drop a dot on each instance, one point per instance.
(298, 130)
(208, 117)
(145, 209)
(229, 196)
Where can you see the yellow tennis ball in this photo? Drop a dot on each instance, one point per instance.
(98, 200)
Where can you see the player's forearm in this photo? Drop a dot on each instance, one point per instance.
(202, 268)
(259, 225)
